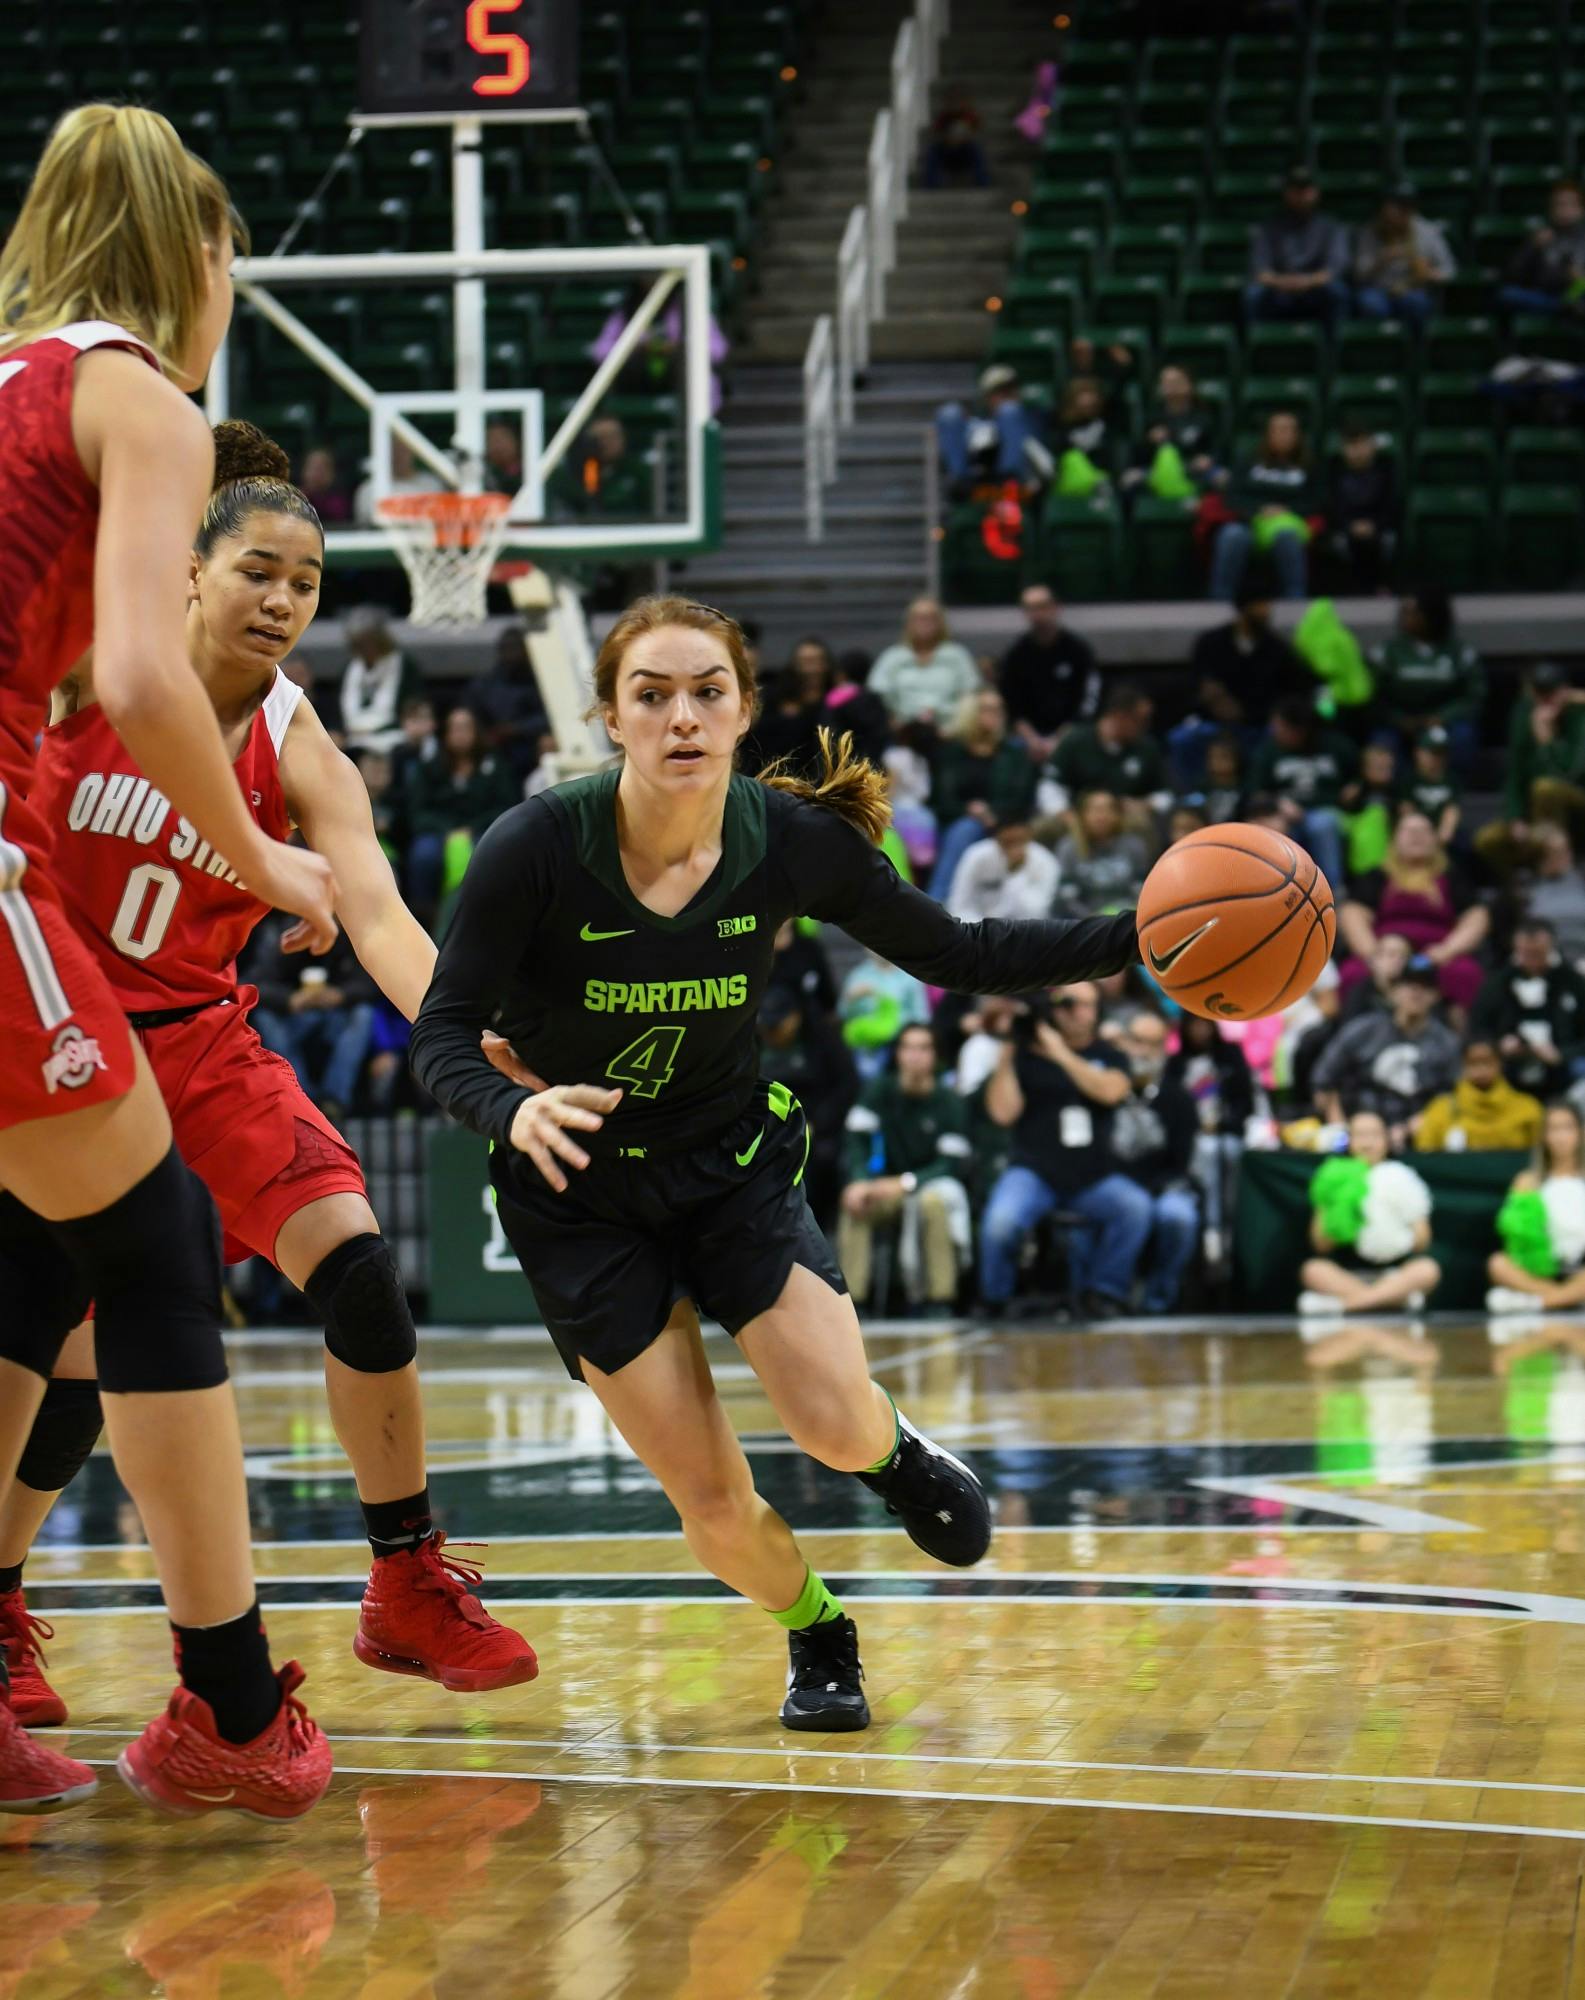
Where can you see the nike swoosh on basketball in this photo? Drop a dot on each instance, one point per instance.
(744, 1159)
(594, 937)
(1160, 963)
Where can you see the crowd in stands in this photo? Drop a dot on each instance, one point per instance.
(1266, 437)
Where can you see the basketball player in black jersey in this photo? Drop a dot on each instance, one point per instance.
(618, 931)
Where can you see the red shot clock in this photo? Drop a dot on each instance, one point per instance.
(466, 56)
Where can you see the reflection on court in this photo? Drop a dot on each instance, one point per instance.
(1272, 1685)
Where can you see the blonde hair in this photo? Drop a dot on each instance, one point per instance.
(944, 630)
(113, 227)
(847, 784)
(965, 727)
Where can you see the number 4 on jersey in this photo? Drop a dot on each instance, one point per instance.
(648, 1064)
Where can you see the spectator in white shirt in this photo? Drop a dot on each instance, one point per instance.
(927, 673)
(377, 681)
(1009, 875)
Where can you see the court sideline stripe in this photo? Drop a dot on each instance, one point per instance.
(594, 1746)
(934, 1798)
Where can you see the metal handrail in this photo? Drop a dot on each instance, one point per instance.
(853, 310)
(820, 424)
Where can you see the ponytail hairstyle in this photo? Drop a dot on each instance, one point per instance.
(848, 785)
(252, 476)
(113, 227)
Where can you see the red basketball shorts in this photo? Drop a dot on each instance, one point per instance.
(64, 1041)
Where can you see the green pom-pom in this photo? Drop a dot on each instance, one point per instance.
(1337, 1194)
(1526, 1236)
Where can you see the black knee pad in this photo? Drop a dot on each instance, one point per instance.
(357, 1291)
(64, 1432)
(152, 1260)
(44, 1291)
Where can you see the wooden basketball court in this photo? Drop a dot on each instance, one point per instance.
(1274, 1685)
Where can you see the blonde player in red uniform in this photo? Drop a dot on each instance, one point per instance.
(165, 918)
(114, 293)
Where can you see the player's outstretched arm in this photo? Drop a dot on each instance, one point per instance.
(842, 878)
(149, 452)
(327, 798)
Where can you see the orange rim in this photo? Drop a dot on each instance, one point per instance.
(458, 519)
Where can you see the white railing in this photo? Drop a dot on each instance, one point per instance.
(868, 254)
(820, 425)
(853, 311)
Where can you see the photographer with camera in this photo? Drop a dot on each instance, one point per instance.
(1058, 1086)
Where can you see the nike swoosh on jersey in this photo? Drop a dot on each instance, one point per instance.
(594, 937)
(744, 1159)
(1164, 962)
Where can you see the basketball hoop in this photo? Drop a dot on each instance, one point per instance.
(447, 543)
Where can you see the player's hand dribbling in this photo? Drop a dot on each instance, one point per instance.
(296, 879)
(542, 1126)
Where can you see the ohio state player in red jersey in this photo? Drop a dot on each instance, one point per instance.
(165, 917)
(114, 293)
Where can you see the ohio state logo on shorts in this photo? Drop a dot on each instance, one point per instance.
(76, 1058)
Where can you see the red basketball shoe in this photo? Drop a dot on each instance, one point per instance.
(36, 1780)
(34, 1703)
(183, 1765)
(421, 1615)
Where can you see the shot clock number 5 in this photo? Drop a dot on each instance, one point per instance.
(462, 56)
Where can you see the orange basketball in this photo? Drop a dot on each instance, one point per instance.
(1235, 922)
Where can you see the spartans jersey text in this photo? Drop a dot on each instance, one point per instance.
(665, 996)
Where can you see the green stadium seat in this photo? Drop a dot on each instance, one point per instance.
(1173, 203)
(1536, 142)
(1159, 107)
(1521, 191)
(642, 168)
(1101, 108)
(1161, 541)
(1355, 195)
(1137, 300)
(731, 166)
(1440, 52)
(1139, 251)
(1453, 401)
(1263, 59)
(1081, 549)
(1077, 205)
(1533, 95)
(1543, 537)
(1494, 239)
(1139, 339)
(1267, 150)
(1066, 158)
(1335, 57)
(1168, 155)
(1277, 350)
(1448, 533)
(1074, 254)
(1456, 458)
(1553, 336)
(1222, 249)
(1420, 17)
(1193, 61)
(1300, 394)
(1449, 194)
(1347, 149)
(1350, 17)
(1037, 352)
(1467, 346)
(1429, 100)
(1374, 347)
(1516, 51)
(1043, 302)
(1208, 301)
(1381, 401)
(1338, 103)
(1273, 105)
(1534, 456)
(738, 115)
(1247, 198)
(1438, 142)
(1210, 353)
(1099, 62)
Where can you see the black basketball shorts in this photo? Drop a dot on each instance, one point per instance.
(721, 1225)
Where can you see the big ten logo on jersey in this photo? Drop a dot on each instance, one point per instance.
(122, 806)
(734, 926)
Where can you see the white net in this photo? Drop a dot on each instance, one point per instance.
(448, 544)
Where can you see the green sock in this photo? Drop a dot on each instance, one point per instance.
(885, 1458)
(814, 1605)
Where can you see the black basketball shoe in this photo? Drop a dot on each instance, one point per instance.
(935, 1496)
(825, 1688)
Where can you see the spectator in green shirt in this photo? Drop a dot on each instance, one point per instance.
(1306, 768)
(927, 673)
(1425, 673)
(907, 1153)
(1116, 754)
(1545, 769)
(983, 777)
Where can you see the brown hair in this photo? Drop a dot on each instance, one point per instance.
(849, 786)
(252, 476)
(113, 228)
